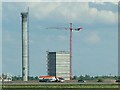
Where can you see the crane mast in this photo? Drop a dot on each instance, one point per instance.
(71, 51)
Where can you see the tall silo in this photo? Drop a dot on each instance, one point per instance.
(25, 46)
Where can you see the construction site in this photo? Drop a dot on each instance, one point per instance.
(58, 61)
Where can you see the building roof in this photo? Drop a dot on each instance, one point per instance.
(59, 52)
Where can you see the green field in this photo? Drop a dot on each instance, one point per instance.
(62, 86)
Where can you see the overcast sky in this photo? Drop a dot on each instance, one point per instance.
(95, 48)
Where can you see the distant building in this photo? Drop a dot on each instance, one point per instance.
(6, 77)
(58, 64)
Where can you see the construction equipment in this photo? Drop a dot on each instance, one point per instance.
(71, 29)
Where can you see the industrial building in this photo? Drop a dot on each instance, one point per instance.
(58, 64)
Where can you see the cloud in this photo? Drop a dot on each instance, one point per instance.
(77, 12)
(107, 17)
(61, 1)
(42, 10)
(103, 3)
(93, 38)
(115, 3)
(52, 12)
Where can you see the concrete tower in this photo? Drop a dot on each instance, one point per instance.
(25, 46)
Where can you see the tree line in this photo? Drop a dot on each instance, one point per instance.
(81, 77)
(99, 78)
(19, 78)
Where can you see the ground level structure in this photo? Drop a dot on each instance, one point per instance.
(58, 64)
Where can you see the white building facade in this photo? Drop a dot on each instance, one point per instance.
(58, 64)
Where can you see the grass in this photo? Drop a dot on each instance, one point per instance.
(61, 86)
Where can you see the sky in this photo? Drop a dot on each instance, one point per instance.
(95, 48)
(0, 39)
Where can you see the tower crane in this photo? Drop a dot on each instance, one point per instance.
(71, 29)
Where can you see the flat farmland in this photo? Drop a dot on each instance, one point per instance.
(57, 86)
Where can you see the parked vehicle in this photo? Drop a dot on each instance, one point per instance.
(50, 79)
(60, 79)
(118, 81)
(81, 81)
(47, 79)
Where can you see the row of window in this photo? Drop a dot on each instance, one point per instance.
(64, 66)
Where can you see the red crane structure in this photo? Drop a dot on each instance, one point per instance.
(71, 29)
